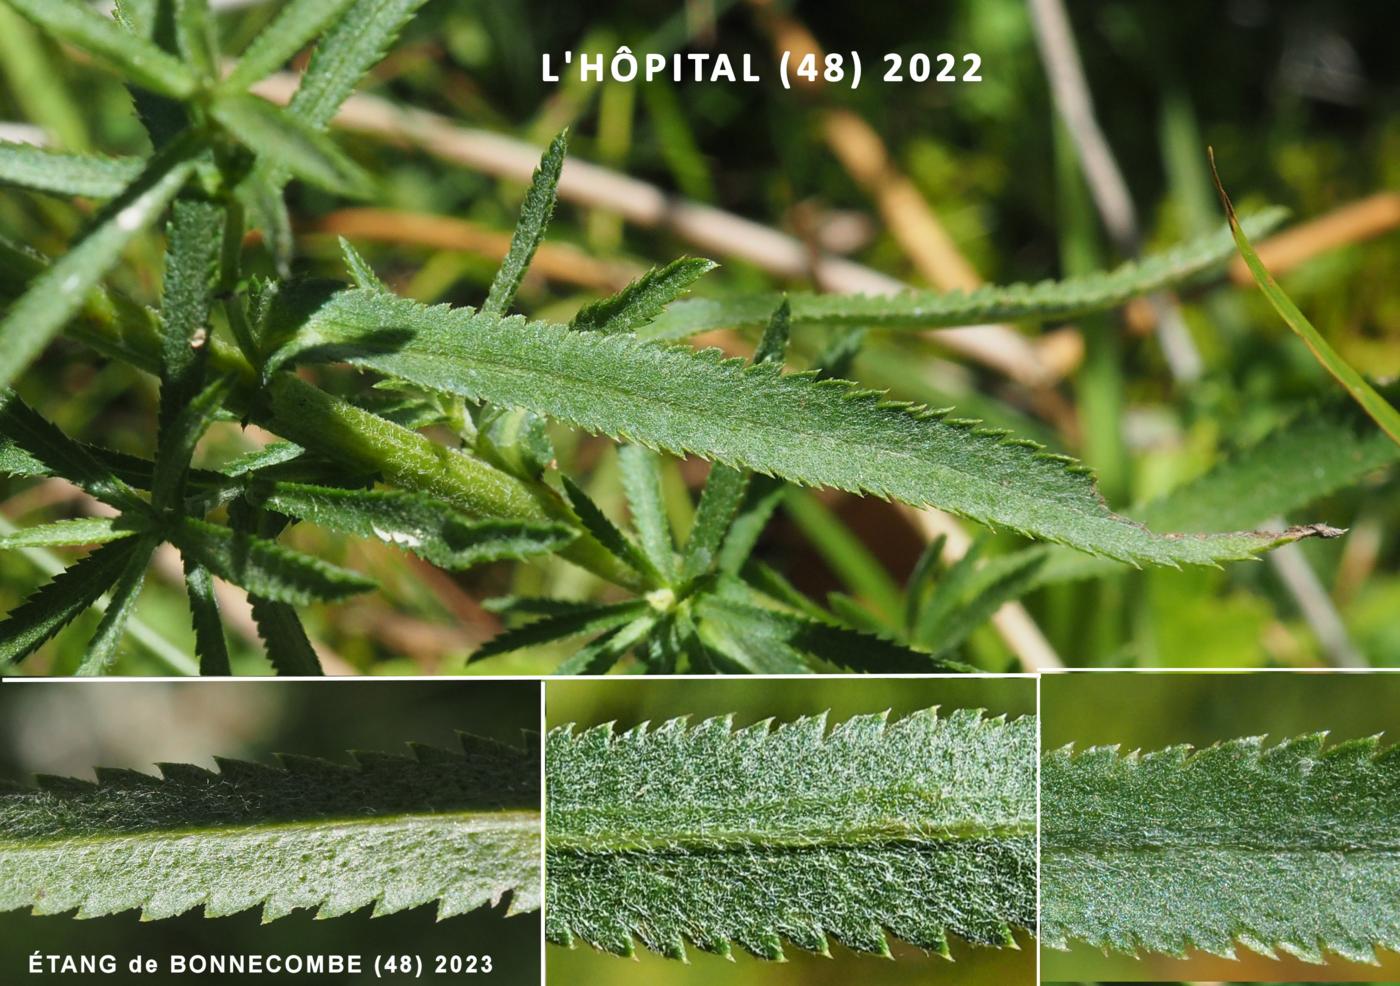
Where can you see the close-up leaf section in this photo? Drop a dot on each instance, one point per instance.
(1287, 848)
(707, 835)
(457, 828)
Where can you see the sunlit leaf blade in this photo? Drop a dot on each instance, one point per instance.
(640, 302)
(720, 500)
(681, 835)
(290, 31)
(59, 533)
(1283, 848)
(83, 25)
(102, 649)
(1345, 374)
(55, 604)
(1042, 302)
(605, 531)
(348, 50)
(429, 528)
(40, 170)
(281, 137)
(641, 481)
(57, 294)
(264, 567)
(597, 656)
(1322, 449)
(535, 214)
(461, 830)
(811, 432)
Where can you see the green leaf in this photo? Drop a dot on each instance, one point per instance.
(920, 828)
(596, 523)
(459, 829)
(641, 481)
(760, 633)
(720, 501)
(426, 527)
(209, 641)
(1323, 448)
(82, 25)
(60, 291)
(1288, 848)
(280, 136)
(640, 302)
(56, 453)
(360, 269)
(1043, 302)
(599, 655)
(1345, 374)
(54, 605)
(290, 31)
(960, 611)
(39, 170)
(103, 648)
(191, 269)
(288, 647)
(349, 49)
(812, 432)
(178, 439)
(535, 214)
(575, 622)
(60, 533)
(264, 567)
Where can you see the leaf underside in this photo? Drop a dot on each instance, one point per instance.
(809, 431)
(1287, 848)
(919, 828)
(461, 829)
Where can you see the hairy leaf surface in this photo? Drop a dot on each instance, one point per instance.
(813, 432)
(1289, 847)
(42, 170)
(461, 829)
(921, 827)
(1042, 302)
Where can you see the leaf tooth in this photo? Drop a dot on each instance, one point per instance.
(1308, 951)
(314, 768)
(807, 935)
(427, 753)
(64, 786)
(246, 771)
(186, 773)
(123, 778)
(714, 727)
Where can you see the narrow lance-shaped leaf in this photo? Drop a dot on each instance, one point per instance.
(58, 293)
(461, 830)
(59, 533)
(918, 828)
(288, 647)
(640, 302)
(40, 170)
(280, 136)
(290, 31)
(55, 604)
(1345, 374)
(264, 567)
(811, 432)
(641, 481)
(81, 24)
(535, 214)
(1289, 847)
(209, 642)
(429, 528)
(1042, 302)
(102, 649)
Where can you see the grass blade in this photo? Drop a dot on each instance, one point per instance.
(1380, 410)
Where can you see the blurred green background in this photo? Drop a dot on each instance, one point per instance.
(629, 702)
(68, 728)
(1150, 710)
(1298, 97)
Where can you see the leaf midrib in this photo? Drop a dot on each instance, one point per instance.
(483, 820)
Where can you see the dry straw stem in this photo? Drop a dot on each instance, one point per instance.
(555, 261)
(643, 204)
(1354, 222)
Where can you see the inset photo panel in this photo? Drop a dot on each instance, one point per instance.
(768, 831)
(246, 831)
(1240, 827)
